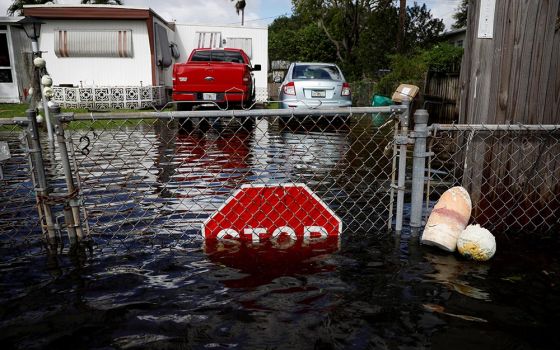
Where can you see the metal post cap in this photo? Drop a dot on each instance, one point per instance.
(53, 107)
(421, 116)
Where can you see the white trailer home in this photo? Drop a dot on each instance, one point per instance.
(104, 56)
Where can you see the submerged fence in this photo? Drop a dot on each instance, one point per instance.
(119, 176)
(111, 178)
(512, 173)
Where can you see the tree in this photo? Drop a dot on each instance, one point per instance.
(16, 8)
(421, 28)
(411, 68)
(359, 35)
(292, 39)
(460, 15)
(342, 21)
(103, 2)
(377, 43)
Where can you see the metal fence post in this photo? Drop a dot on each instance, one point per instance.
(402, 141)
(75, 233)
(418, 168)
(42, 190)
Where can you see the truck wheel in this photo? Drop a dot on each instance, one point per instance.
(184, 106)
(185, 123)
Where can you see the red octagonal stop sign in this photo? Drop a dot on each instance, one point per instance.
(280, 214)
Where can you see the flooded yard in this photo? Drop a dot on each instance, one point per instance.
(149, 281)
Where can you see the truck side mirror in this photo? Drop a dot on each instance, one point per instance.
(256, 68)
(277, 79)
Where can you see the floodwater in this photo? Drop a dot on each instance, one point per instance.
(156, 285)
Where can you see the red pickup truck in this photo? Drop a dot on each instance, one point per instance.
(221, 76)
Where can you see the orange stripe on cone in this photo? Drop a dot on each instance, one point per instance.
(448, 219)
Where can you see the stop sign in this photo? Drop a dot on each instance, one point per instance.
(279, 214)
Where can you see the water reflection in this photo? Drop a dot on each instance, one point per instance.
(264, 263)
(451, 272)
(198, 171)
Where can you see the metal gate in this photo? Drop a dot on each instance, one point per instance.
(116, 177)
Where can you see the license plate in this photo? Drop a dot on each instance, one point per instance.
(318, 93)
(209, 96)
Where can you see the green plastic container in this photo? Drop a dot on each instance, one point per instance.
(380, 101)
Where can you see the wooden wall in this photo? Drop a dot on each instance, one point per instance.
(515, 76)
(441, 93)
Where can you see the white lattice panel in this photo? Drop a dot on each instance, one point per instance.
(109, 97)
(261, 94)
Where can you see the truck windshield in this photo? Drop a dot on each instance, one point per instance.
(217, 56)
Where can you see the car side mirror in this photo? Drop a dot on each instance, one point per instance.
(256, 68)
(277, 79)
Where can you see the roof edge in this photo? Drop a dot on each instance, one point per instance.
(107, 12)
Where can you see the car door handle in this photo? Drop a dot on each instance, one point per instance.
(209, 78)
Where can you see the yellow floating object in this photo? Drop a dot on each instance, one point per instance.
(477, 243)
(448, 219)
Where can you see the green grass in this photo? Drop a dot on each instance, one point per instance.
(10, 110)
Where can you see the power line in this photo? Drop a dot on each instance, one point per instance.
(261, 19)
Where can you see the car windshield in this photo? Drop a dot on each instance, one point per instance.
(308, 71)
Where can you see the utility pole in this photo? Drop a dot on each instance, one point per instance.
(400, 32)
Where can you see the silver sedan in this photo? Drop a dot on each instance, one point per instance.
(314, 85)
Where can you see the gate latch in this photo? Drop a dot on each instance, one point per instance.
(4, 155)
(403, 140)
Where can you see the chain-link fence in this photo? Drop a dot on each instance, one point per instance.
(156, 174)
(512, 173)
(120, 177)
(18, 207)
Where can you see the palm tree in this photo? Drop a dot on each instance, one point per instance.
(103, 2)
(240, 7)
(16, 8)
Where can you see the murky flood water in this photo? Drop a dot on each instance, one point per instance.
(150, 282)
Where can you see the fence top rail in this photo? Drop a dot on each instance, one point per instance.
(13, 121)
(237, 113)
(494, 127)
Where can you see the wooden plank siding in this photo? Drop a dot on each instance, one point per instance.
(441, 93)
(513, 77)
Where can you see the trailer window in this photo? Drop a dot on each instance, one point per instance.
(93, 43)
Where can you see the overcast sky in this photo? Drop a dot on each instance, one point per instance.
(257, 12)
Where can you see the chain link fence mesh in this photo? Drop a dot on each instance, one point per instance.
(511, 171)
(19, 218)
(166, 176)
(155, 180)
